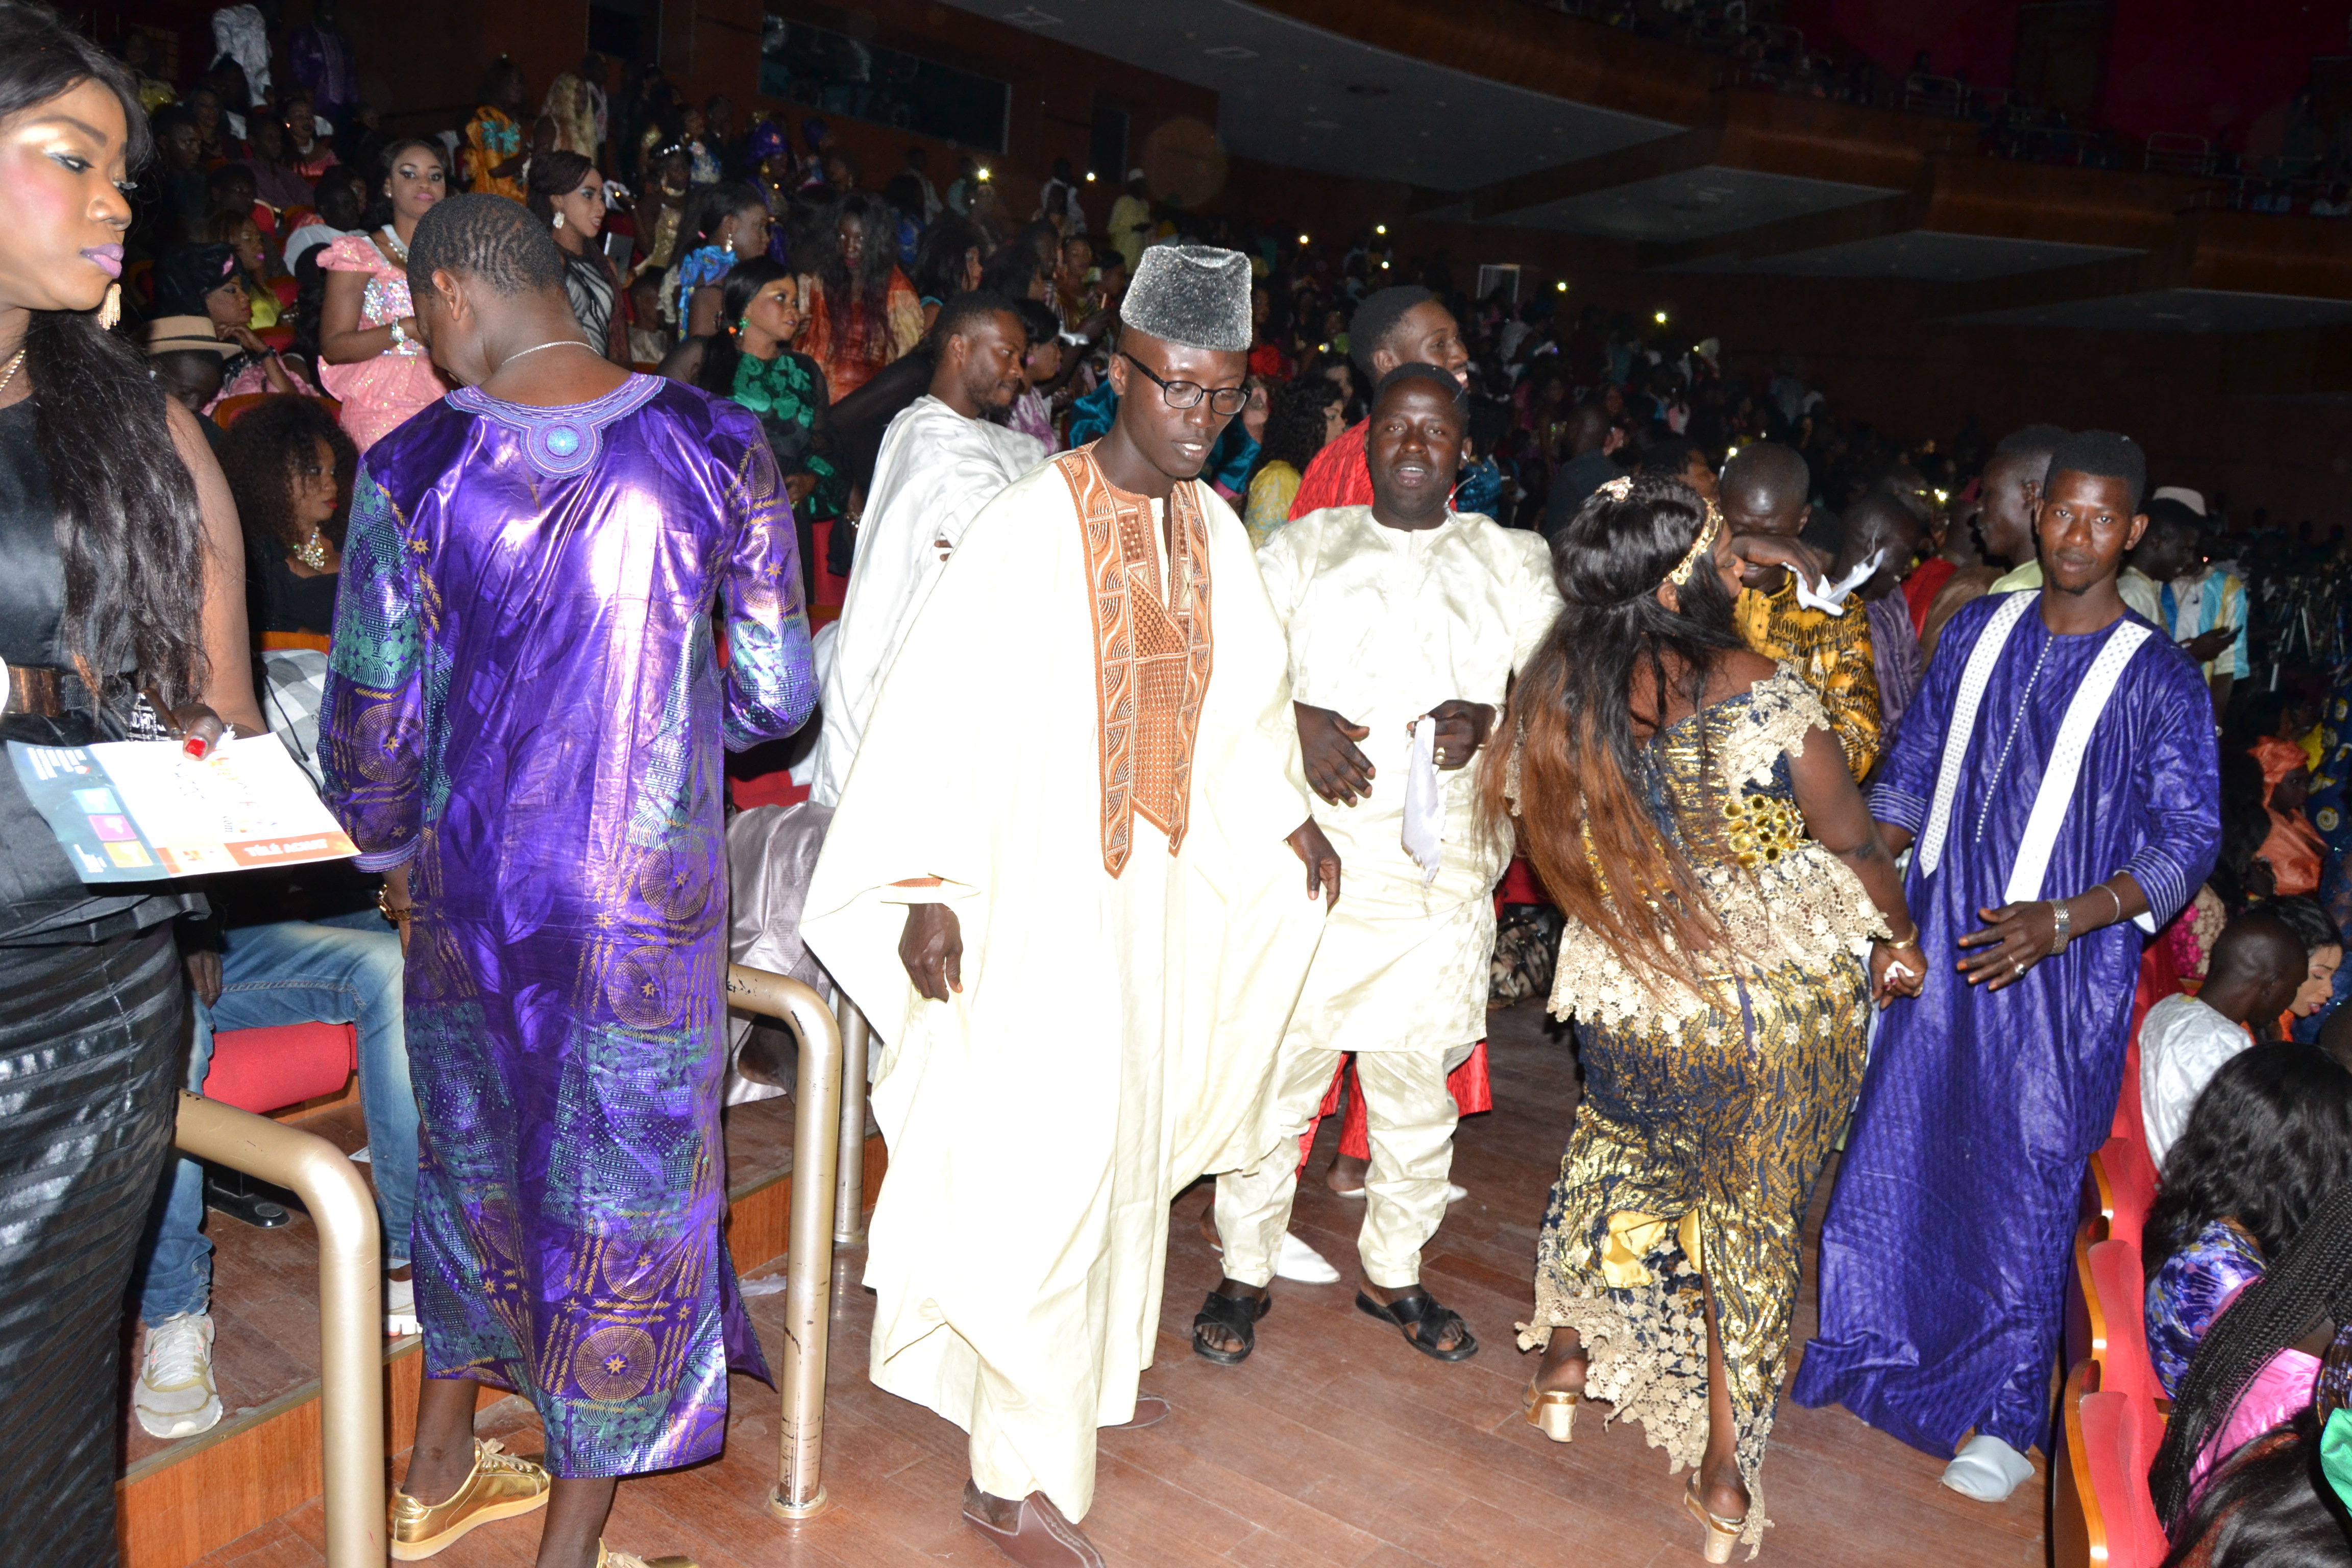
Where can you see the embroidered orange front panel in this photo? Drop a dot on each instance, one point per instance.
(1152, 651)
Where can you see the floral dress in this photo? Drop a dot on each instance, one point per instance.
(1707, 1115)
(788, 393)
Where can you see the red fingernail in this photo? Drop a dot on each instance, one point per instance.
(195, 746)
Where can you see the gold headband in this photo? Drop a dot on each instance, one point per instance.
(1703, 546)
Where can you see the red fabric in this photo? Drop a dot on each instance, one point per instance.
(1920, 588)
(1470, 1084)
(766, 789)
(1337, 476)
(1520, 884)
(262, 1070)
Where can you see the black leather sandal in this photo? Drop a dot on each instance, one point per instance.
(1423, 1323)
(1238, 1313)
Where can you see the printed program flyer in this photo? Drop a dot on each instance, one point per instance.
(137, 811)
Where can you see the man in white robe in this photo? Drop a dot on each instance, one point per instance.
(942, 460)
(1064, 882)
(1400, 613)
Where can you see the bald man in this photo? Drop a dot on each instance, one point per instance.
(1765, 489)
(1404, 325)
(1879, 524)
(2258, 964)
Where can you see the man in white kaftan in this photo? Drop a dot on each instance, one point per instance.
(942, 460)
(1393, 612)
(1058, 883)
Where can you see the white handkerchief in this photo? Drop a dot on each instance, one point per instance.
(1424, 813)
(1833, 596)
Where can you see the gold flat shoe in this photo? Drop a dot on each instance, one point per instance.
(1550, 1411)
(605, 1559)
(500, 1486)
(1722, 1534)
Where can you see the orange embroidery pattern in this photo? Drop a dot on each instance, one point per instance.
(1152, 652)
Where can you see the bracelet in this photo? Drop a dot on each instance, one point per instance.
(399, 337)
(398, 917)
(2118, 898)
(2066, 919)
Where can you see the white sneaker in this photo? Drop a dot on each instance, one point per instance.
(1455, 1195)
(400, 1319)
(175, 1397)
(1987, 1470)
(1298, 1261)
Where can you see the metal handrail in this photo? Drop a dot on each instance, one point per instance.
(350, 1304)
(817, 1156)
(849, 1189)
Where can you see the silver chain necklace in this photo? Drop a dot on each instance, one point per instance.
(550, 343)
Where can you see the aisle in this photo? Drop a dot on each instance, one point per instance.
(1334, 1445)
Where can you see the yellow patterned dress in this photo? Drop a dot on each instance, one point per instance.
(1704, 1124)
(1832, 654)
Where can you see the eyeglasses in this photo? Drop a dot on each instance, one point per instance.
(1226, 400)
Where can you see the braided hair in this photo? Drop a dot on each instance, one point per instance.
(2311, 1281)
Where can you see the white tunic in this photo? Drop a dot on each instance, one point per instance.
(935, 471)
(1114, 1035)
(1383, 624)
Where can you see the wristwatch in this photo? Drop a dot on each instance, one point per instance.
(399, 337)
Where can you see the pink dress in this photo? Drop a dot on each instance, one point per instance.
(378, 395)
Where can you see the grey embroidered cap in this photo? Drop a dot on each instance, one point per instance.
(1194, 294)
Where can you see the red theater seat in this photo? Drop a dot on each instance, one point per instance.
(262, 1070)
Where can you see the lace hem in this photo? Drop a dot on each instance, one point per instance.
(1635, 1367)
(1806, 909)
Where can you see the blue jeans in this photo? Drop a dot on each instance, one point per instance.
(342, 970)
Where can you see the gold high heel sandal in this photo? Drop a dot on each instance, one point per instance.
(1722, 1534)
(1550, 1411)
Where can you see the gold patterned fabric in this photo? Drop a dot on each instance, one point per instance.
(1831, 653)
(1704, 1124)
(1153, 650)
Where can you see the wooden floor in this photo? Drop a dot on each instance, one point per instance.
(1333, 1445)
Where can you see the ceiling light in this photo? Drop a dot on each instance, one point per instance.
(1380, 229)
(1561, 285)
(1304, 240)
(1090, 176)
(983, 171)
(1384, 267)
(1659, 317)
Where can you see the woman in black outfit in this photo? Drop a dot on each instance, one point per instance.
(290, 468)
(120, 571)
(567, 194)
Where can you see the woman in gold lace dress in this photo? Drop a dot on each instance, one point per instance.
(1691, 812)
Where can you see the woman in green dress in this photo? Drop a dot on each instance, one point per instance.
(747, 360)
(1728, 911)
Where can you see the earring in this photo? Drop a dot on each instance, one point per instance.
(559, 221)
(728, 248)
(744, 323)
(110, 312)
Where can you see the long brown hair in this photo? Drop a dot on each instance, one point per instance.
(1584, 778)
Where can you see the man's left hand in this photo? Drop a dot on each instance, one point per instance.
(1462, 729)
(1322, 862)
(2019, 937)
